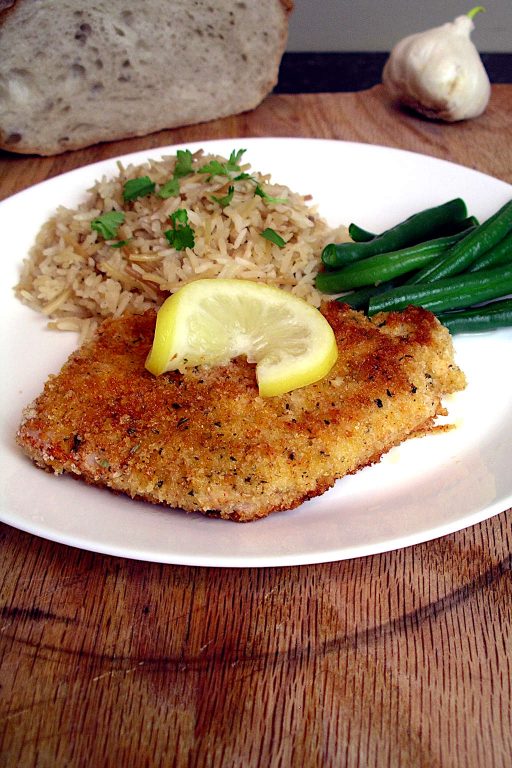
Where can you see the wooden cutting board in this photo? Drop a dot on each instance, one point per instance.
(400, 659)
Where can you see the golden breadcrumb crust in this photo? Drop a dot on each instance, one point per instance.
(206, 441)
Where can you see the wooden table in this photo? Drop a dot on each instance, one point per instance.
(400, 659)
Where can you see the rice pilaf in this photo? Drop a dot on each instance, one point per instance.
(77, 277)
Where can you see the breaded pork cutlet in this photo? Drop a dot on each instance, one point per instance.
(206, 441)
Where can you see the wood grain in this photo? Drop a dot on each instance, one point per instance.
(401, 659)
(365, 116)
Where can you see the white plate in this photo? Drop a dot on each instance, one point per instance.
(423, 489)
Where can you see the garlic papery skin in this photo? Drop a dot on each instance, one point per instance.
(439, 73)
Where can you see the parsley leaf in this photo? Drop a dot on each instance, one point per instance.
(259, 189)
(120, 243)
(183, 167)
(261, 193)
(181, 236)
(233, 164)
(108, 223)
(271, 234)
(183, 163)
(224, 201)
(243, 176)
(179, 217)
(215, 168)
(171, 188)
(139, 187)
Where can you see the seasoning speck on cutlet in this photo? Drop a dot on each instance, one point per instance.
(205, 441)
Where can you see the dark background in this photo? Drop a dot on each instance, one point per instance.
(331, 72)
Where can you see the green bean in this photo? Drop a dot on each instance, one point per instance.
(414, 229)
(384, 266)
(359, 299)
(473, 246)
(471, 221)
(497, 314)
(360, 235)
(449, 293)
(500, 254)
(459, 226)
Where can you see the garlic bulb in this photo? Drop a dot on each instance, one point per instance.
(439, 73)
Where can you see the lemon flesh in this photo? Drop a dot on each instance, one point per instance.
(212, 321)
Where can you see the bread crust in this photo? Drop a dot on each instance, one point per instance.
(6, 6)
(111, 73)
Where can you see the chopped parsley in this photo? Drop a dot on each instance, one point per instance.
(139, 187)
(259, 189)
(171, 188)
(271, 234)
(183, 167)
(261, 193)
(119, 243)
(108, 223)
(215, 168)
(181, 235)
(233, 164)
(226, 199)
(244, 176)
(183, 163)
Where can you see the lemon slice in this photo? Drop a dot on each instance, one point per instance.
(212, 321)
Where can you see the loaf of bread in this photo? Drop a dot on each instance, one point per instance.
(73, 74)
